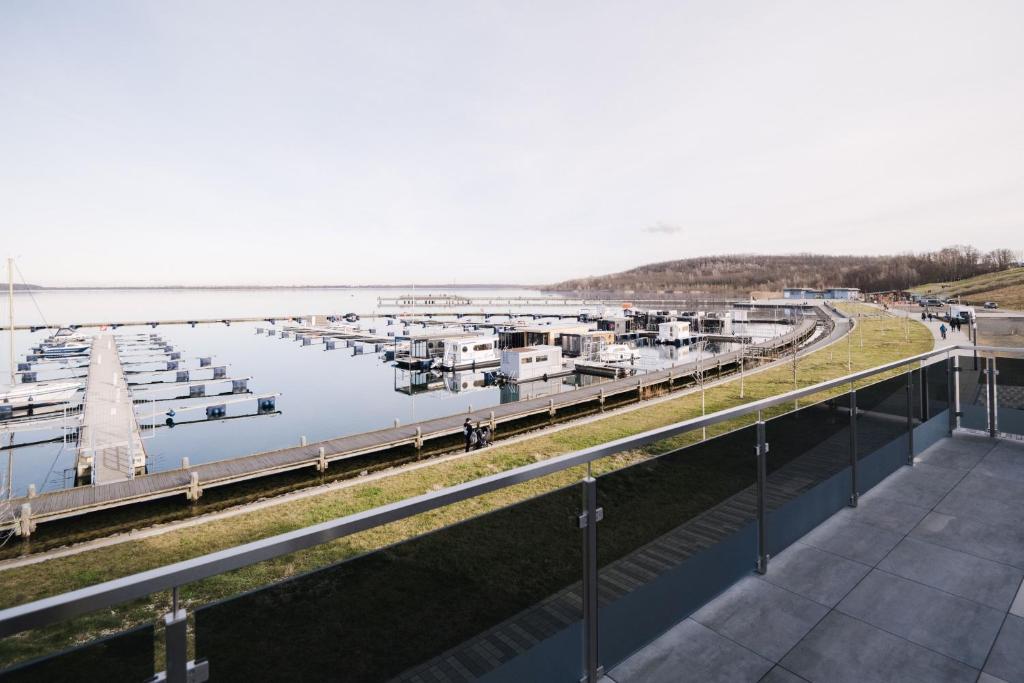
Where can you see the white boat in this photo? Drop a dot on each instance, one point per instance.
(38, 393)
(469, 352)
(614, 353)
(61, 350)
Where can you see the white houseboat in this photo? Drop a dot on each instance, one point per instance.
(531, 362)
(470, 352)
(677, 333)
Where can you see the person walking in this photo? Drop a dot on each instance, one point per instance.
(942, 330)
(467, 429)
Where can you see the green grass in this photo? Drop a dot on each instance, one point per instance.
(878, 339)
(1005, 287)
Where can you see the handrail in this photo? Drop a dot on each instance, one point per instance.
(64, 606)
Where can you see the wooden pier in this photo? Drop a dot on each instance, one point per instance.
(442, 434)
(110, 447)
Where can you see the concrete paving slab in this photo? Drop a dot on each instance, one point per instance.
(691, 652)
(780, 675)
(842, 649)
(815, 574)
(1004, 462)
(761, 616)
(1007, 658)
(1017, 607)
(847, 538)
(921, 485)
(968, 576)
(998, 542)
(953, 626)
(958, 454)
(884, 513)
(989, 678)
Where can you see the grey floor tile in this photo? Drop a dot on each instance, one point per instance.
(1007, 658)
(954, 626)
(999, 542)
(965, 502)
(884, 513)
(956, 454)
(989, 678)
(1004, 462)
(691, 652)
(984, 581)
(815, 574)
(850, 539)
(780, 675)
(761, 616)
(922, 485)
(842, 649)
(1018, 603)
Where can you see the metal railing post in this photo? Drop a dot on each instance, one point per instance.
(910, 417)
(176, 642)
(926, 409)
(854, 488)
(592, 670)
(762, 498)
(993, 425)
(952, 368)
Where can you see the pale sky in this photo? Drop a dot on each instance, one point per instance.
(215, 142)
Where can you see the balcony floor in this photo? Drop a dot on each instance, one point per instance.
(920, 582)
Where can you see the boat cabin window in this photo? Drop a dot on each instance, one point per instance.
(482, 347)
(542, 359)
(525, 360)
(465, 348)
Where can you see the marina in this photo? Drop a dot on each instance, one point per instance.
(116, 484)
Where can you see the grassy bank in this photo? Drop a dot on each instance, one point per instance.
(1005, 288)
(877, 340)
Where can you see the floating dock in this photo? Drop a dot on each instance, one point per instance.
(110, 447)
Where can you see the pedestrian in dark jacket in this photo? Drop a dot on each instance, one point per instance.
(467, 429)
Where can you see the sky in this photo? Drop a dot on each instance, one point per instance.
(221, 142)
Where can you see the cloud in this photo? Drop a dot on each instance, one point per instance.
(663, 229)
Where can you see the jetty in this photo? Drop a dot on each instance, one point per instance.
(110, 447)
(118, 486)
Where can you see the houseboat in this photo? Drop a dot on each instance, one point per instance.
(531, 362)
(677, 333)
(461, 353)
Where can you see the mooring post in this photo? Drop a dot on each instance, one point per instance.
(194, 491)
(184, 463)
(302, 440)
(321, 463)
(551, 407)
(419, 438)
(31, 490)
(25, 524)
(494, 423)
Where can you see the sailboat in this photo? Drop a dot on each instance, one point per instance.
(31, 394)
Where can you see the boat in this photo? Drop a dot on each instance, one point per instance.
(614, 353)
(469, 353)
(31, 394)
(38, 393)
(61, 350)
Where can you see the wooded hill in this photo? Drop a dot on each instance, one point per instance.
(739, 274)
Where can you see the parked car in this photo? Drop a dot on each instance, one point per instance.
(991, 305)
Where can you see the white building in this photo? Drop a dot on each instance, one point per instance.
(531, 362)
(676, 332)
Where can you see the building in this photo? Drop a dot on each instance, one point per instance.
(827, 293)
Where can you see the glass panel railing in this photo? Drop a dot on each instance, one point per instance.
(973, 390)
(808, 469)
(124, 656)
(937, 389)
(1010, 395)
(496, 596)
(677, 530)
(883, 442)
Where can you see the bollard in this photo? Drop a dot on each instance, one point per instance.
(396, 423)
(321, 463)
(184, 463)
(31, 490)
(302, 440)
(25, 524)
(194, 492)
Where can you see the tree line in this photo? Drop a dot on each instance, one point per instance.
(742, 273)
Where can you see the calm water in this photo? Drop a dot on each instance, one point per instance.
(323, 393)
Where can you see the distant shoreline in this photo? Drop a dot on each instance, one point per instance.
(432, 287)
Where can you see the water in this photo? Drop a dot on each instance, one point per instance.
(324, 394)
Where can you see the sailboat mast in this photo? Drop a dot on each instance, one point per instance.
(10, 311)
